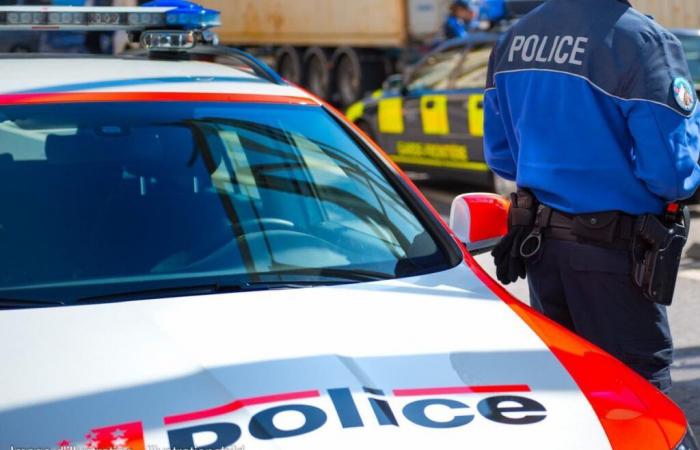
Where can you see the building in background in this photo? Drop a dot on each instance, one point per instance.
(671, 13)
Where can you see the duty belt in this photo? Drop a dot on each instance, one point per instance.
(561, 227)
(607, 229)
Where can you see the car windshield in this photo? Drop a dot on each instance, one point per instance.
(99, 199)
(691, 45)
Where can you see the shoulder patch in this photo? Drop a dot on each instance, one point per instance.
(684, 94)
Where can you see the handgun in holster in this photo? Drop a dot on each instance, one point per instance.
(657, 252)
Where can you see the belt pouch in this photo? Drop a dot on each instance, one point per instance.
(598, 227)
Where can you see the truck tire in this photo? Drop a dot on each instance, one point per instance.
(356, 73)
(288, 64)
(349, 76)
(317, 72)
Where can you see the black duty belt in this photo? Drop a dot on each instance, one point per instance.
(561, 227)
(606, 229)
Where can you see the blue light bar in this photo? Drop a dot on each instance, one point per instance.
(187, 15)
(159, 14)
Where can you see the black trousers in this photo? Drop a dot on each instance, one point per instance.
(589, 290)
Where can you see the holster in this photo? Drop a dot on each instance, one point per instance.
(523, 206)
(657, 250)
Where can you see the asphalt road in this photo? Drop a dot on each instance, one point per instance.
(684, 314)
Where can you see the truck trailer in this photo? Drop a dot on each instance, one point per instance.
(340, 49)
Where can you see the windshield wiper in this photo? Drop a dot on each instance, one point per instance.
(20, 303)
(186, 291)
(358, 275)
(327, 277)
(331, 275)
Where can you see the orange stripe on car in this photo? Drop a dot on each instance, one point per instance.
(103, 97)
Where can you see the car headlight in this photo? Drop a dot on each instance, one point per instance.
(689, 443)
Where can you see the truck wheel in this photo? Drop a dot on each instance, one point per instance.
(349, 76)
(288, 64)
(317, 71)
(503, 187)
(357, 73)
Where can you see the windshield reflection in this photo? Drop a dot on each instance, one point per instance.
(100, 197)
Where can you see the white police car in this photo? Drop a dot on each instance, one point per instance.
(195, 254)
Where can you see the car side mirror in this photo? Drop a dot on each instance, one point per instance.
(394, 83)
(479, 220)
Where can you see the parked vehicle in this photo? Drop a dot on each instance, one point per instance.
(340, 49)
(430, 118)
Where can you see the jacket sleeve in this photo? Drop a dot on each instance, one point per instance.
(665, 122)
(454, 29)
(497, 151)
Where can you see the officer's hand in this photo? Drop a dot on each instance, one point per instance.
(510, 266)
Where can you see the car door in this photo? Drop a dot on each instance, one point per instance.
(466, 110)
(399, 122)
(427, 140)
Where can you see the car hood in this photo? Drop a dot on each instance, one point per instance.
(434, 361)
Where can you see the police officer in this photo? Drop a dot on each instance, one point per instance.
(457, 23)
(590, 108)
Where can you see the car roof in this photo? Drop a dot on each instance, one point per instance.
(475, 39)
(53, 74)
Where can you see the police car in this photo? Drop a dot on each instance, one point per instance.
(430, 119)
(195, 254)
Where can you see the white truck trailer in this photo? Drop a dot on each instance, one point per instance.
(340, 49)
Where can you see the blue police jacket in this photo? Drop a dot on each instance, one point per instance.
(590, 104)
(455, 27)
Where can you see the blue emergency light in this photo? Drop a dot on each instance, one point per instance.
(155, 15)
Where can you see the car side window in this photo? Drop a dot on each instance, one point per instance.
(473, 70)
(436, 70)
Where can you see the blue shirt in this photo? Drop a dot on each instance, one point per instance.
(590, 104)
(493, 10)
(455, 27)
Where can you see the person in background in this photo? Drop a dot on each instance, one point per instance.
(457, 23)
